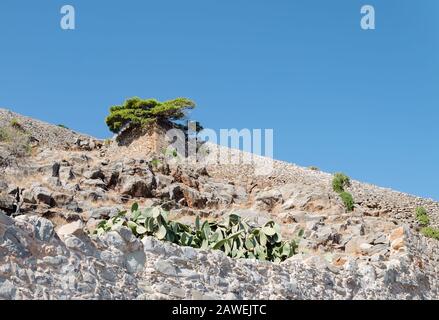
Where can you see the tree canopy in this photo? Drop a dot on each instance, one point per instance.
(138, 111)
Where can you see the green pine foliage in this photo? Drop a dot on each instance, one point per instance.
(140, 112)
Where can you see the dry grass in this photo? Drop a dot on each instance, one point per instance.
(15, 141)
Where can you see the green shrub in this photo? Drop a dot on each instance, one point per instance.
(340, 182)
(421, 211)
(63, 126)
(424, 220)
(430, 232)
(234, 236)
(140, 112)
(422, 216)
(155, 162)
(348, 201)
(313, 168)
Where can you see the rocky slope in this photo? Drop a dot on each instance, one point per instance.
(54, 195)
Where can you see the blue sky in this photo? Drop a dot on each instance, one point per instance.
(337, 97)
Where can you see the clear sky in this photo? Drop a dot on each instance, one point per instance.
(338, 97)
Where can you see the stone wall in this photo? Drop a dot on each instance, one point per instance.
(38, 263)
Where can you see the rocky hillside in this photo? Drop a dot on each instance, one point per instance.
(56, 191)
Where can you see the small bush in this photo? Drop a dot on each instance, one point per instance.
(422, 216)
(313, 168)
(430, 232)
(348, 201)
(63, 126)
(340, 182)
(14, 123)
(155, 162)
(424, 220)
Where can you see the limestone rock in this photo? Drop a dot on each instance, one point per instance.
(71, 182)
(194, 198)
(44, 229)
(268, 199)
(43, 195)
(94, 183)
(73, 228)
(137, 186)
(7, 203)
